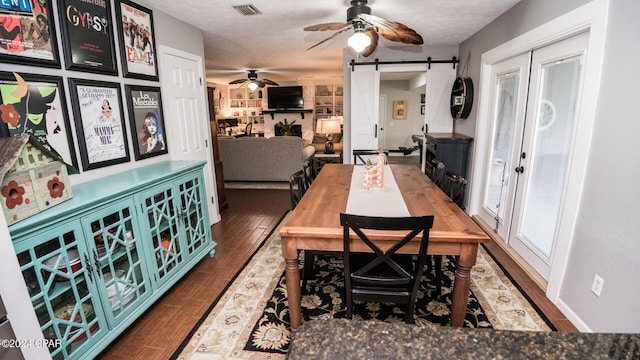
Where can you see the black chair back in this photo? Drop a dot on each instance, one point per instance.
(297, 187)
(455, 187)
(248, 129)
(361, 156)
(384, 276)
(435, 171)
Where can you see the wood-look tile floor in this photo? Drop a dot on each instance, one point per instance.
(251, 215)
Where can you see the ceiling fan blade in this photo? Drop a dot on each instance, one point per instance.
(260, 83)
(326, 26)
(330, 37)
(373, 35)
(239, 81)
(269, 82)
(392, 30)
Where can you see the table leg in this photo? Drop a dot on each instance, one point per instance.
(461, 284)
(292, 276)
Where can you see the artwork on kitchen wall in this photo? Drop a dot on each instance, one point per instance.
(36, 105)
(137, 41)
(400, 109)
(87, 36)
(28, 33)
(146, 120)
(99, 118)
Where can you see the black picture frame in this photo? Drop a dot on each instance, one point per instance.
(30, 33)
(88, 45)
(45, 99)
(102, 138)
(145, 106)
(137, 41)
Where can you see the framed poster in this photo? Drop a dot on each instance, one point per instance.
(99, 118)
(399, 109)
(137, 41)
(36, 105)
(87, 36)
(27, 33)
(146, 120)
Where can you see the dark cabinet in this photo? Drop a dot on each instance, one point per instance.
(451, 149)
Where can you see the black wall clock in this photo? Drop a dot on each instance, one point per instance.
(461, 98)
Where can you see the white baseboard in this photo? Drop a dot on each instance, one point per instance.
(572, 316)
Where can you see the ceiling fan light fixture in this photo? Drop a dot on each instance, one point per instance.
(253, 86)
(359, 41)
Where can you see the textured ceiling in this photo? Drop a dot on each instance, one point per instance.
(275, 44)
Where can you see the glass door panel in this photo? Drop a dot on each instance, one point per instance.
(60, 280)
(556, 76)
(510, 84)
(122, 282)
(195, 219)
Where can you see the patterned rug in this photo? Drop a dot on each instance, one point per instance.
(251, 319)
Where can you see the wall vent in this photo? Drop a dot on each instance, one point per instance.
(247, 10)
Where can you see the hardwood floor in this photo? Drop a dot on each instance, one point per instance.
(251, 215)
(159, 332)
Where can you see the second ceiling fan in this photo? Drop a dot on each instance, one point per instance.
(367, 29)
(254, 82)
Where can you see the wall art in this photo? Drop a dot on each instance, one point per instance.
(27, 33)
(137, 41)
(87, 36)
(99, 118)
(146, 121)
(36, 105)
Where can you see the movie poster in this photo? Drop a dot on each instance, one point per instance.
(147, 122)
(27, 32)
(137, 41)
(88, 35)
(102, 128)
(35, 105)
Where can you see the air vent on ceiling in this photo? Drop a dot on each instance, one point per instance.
(247, 10)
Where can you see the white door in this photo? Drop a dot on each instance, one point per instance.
(365, 89)
(184, 101)
(534, 102)
(555, 88)
(382, 120)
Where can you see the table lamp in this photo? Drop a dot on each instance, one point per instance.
(328, 126)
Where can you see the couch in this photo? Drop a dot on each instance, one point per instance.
(262, 159)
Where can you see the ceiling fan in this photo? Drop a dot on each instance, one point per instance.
(366, 28)
(254, 83)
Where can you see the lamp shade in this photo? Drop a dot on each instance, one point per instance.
(328, 126)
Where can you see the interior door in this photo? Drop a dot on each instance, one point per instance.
(382, 111)
(555, 87)
(188, 122)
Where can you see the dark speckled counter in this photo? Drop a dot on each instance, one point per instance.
(351, 339)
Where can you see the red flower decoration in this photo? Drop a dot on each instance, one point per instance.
(56, 187)
(13, 193)
(9, 114)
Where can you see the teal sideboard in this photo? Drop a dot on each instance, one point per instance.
(95, 263)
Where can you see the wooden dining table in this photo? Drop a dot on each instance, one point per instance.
(315, 224)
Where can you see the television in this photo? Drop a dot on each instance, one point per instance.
(285, 97)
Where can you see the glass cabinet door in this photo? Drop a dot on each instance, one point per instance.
(122, 280)
(163, 218)
(60, 279)
(194, 210)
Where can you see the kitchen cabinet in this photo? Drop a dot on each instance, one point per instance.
(96, 262)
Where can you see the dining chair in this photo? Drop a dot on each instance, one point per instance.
(434, 169)
(455, 187)
(361, 156)
(248, 129)
(297, 187)
(309, 171)
(384, 276)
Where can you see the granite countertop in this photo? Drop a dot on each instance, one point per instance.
(353, 339)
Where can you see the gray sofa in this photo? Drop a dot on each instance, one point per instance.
(262, 159)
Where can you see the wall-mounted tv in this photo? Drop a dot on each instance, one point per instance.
(285, 97)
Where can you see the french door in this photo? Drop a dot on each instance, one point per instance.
(535, 98)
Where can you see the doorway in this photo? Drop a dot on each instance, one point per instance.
(534, 97)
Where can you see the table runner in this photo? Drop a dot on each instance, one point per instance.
(386, 201)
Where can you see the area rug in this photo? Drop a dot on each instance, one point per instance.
(251, 320)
